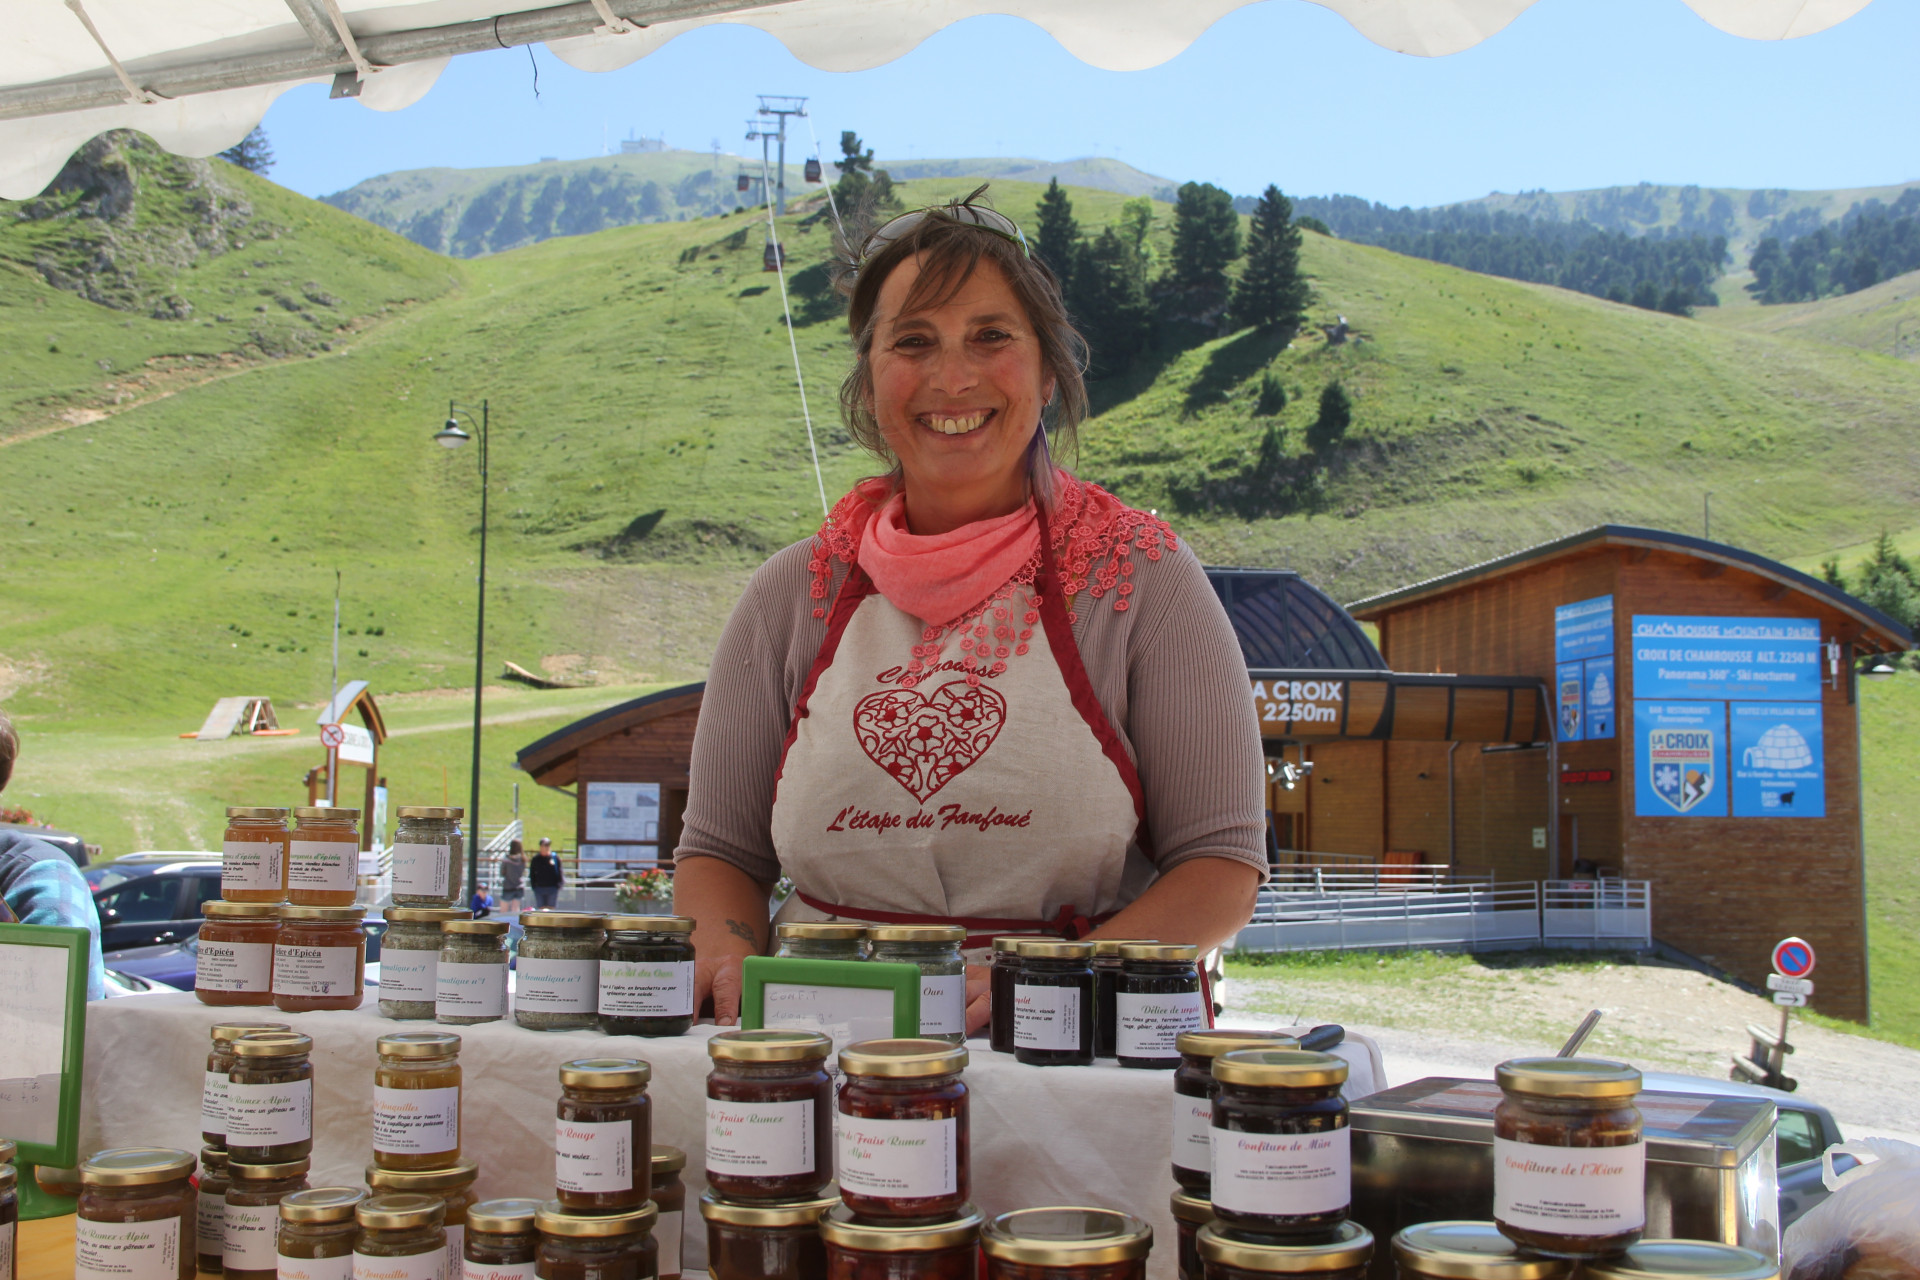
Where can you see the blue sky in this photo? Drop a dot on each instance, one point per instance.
(1575, 93)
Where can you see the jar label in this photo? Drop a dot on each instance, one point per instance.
(126, 1250)
(1148, 1025)
(760, 1139)
(1046, 1017)
(902, 1158)
(315, 971)
(340, 1268)
(498, 1270)
(1282, 1173)
(250, 1239)
(328, 865)
(213, 1103)
(233, 966)
(666, 1234)
(593, 1157)
(646, 988)
(1193, 1132)
(408, 975)
(471, 990)
(423, 870)
(416, 1122)
(418, 1266)
(456, 1252)
(251, 864)
(943, 1004)
(210, 1219)
(1570, 1191)
(556, 986)
(269, 1115)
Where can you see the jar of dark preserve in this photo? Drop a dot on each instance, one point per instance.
(1066, 1244)
(210, 1231)
(501, 1240)
(213, 1093)
(1053, 1004)
(270, 1099)
(1106, 978)
(1341, 1253)
(604, 1246)
(1157, 998)
(669, 1196)
(136, 1216)
(1000, 979)
(603, 1135)
(1281, 1147)
(862, 1250)
(646, 976)
(769, 1115)
(1190, 1213)
(1543, 1199)
(251, 1230)
(1193, 1091)
(902, 1130)
(1469, 1251)
(766, 1240)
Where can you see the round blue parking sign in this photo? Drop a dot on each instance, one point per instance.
(1793, 958)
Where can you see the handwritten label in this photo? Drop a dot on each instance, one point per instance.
(126, 1250)
(249, 1242)
(269, 1115)
(315, 971)
(557, 986)
(905, 1159)
(233, 966)
(471, 990)
(326, 865)
(943, 1004)
(1574, 1191)
(408, 975)
(593, 1157)
(666, 1233)
(1193, 1132)
(416, 1121)
(340, 1268)
(760, 1139)
(1047, 1017)
(251, 864)
(646, 989)
(209, 1237)
(1149, 1025)
(509, 1270)
(419, 1266)
(423, 870)
(213, 1104)
(1277, 1174)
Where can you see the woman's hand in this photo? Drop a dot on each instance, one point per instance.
(729, 909)
(719, 979)
(979, 997)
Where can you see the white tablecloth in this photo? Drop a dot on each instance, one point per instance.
(1060, 1135)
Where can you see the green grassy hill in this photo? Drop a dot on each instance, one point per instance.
(1871, 320)
(1097, 172)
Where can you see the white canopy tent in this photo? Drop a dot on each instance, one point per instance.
(196, 75)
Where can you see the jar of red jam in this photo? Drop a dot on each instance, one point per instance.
(253, 855)
(669, 1196)
(1193, 1090)
(1066, 1244)
(270, 1099)
(1190, 1213)
(1000, 978)
(769, 1115)
(323, 857)
(210, 1220)
(233, 955)
(213, 1092)
(1053, 1012)
(501, 1240)
(1281, 1148)
(1470, 1251)
(861, 1250)
(1569, 1163)
(603, 1135)
(319, 959)
(902, 1131)
(595, 1246)
(1341, 1253)
(1157, 997)
(766, 1240)
(1106, 978)
(137, 1216)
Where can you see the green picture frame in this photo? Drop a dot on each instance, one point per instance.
(804, 996)
(23, 968)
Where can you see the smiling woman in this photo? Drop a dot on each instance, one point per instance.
(986, 693)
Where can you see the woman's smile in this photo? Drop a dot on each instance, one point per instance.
(956, 422)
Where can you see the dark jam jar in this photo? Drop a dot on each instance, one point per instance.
(213, 1093)
(1542, 1198)
(210, 1231)
(1053, 1004)
(136, 1216)
(669, 1196)
(1106, 979)
(1193, 1091)
(1281, 1147)
(251, 1230)
(1000, 978)
(1190, 1213)
(1341, 1253)
(1157, 998)
(861, 1250)
(603, 1135)
(501, 1240)
(902, 1130)
(1470, 1251)
(769, 1115)
(766, 1240)
(1066, 1244)
(646, 976)
(599, 1246)
(270, 1099)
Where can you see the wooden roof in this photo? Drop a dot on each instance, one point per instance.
(355, 695)
(551, 760)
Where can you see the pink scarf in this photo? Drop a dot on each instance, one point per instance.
(938, 577)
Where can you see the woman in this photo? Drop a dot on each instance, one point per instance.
(986, 692)
(513, 877)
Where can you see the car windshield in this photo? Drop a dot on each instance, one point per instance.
(108, 877)
(145, 899)
(1798, 1138)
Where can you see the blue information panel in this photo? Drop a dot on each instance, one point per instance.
(1583, 670)
(1570, 694)
(1779, 765)
(1583, 629)
(1680, 766)
(1775, 659)
(1600, 692)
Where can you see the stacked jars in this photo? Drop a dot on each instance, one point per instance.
(448, 1191)
(429, 857)
(234, 960)
(267, 1108)
(601, 1223)
(417, 1093)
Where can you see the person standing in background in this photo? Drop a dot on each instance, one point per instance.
(513, 878)
(39, 884)
(545, 875)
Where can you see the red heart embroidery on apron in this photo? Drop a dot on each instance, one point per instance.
(925, 741)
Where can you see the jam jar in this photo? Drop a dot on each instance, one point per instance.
(251, 1228)
(136, 1216)
(669, 1196)
(429, 857)
(1106, 976)
(646, 976)
(319, 959)
(410, 960)
(470, 982)
(769, 1114)
(820, 940)
(323, 857)
(213, 1093)
(1000, 979)
(902, 1129)
(9, 1219)
(209, 1230)
(416, 1100)
(317, 1231)
(452, 1187)
(1542, 1197)
(1156, 997)
(270, 1099)
(766, 1240)
(1341, 1253)
(859, 1250)
(557, 975)
(1053, 1004)
(1469, 1251)
(603, 1135)
(1685, 1260)
(595, 1246)
(501, 1240)
(1066, 1244)
(1281, 1147)
(1193, 1091)
(233, 958)
(1190, 1213)
(934, 949)
(253, 855)
(400, 1236)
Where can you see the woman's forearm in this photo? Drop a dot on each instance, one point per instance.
(1204, 901)
(729, 908)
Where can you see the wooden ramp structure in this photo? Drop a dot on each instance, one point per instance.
(238, 715)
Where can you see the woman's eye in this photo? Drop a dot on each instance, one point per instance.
(994, 335)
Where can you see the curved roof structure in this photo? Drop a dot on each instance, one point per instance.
(551, 760)
(1286, 623)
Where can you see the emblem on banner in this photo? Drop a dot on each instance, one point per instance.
(1682, 761)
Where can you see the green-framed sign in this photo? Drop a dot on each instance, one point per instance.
(845, 1000)
(43, 1033)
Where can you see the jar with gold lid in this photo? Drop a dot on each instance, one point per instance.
(1156, 998)
(646, 976)
(213, 1092)
(253, 855)
(1544, 1196)
(233, 953)
(902, 1130)
(319, 959)
(251, 1228)
(603, 1135)
(1340, 1253)
(1066, 1243)
(1193, 1090)
(858, 1249)
(934, 949)
(820, 940)
(211, 1203)
(1282, 1159)
(429, 857)
(410, 960)
(1190, 1213)
(769, 1114)
(400, 1236)
(1053, 1012)
(1000, 979)
(136, 1216)
(470, 983)
(1469, 1251)
(317, 1231)
(1682, 1260)
(557, 973)
(603, 1246)
(416, 1100)
(323, 857)
(1105, 963)
(669, 1195)
(270, 1099)
(501, 1240)
(452, 1187)
(766, 1239)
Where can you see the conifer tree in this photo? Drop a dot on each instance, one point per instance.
(1335, 416)
(1206, 238)
(1271, 292)
(251, 153)
(1057, 235)
(1110, 303)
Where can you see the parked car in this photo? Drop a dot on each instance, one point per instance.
(162, 905)
(1806, 1129)
(105, 875)
(171, 964)
(65, 841)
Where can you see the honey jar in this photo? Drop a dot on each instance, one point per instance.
(319, 959)
(253, 855)
(233, 956)
(317, 1232)
(270, 1099)
(323, 857)
(416, 1100)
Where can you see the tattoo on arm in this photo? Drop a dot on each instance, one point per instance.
(743, 931)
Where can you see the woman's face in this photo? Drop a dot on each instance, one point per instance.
(958, 388)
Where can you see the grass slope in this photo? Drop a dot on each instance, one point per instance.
(1869, 320)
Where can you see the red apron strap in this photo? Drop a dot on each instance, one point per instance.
(856, 587)
(1067, 923)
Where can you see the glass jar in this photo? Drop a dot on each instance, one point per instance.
(646, 976)
(1544, 1200)
(603, 1135)
(1190, 1213)
(607, 1246)
(769, 1115)
(1469, 1251)
(1281, 1147)
(470, 981)
(762, 1240)
(500, 1240)
(136, 1216)
(902, 1131)
(1156, 998)
(251, 1227)
(323, 857)
(1066, 1244)
(935, 950)
(233, 958)
(211, 1210)
(1106, 974)
(253, 855)
(270, 1099)
(429, 857)
(669, 1196)
(400, 1236)
(557, 976)
(9, 1219)
(416, 1100)
(1341, 1253)
(319, 959)
(410, 960)
(1000, 979)
(452, 1187)
(821, 940)
(213, 1092)
(1193, 1090)
(944, 1250)
(1053, 1004)
(317, 1231)
(1688, 1260)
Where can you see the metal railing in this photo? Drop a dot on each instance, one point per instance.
(1367, 877)
(1476, 916)
(1590, 912)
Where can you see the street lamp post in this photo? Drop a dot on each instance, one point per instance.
(452, 436)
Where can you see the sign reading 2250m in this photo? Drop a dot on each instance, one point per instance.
(1746, 659)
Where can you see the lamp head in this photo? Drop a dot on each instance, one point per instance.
(451, 436)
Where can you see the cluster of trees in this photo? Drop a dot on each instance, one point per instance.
(860, 185)
(1873, 242)
(251, 153)
(1886, 580)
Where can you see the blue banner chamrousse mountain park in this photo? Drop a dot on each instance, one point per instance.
(1777, 758)
(1583, 629)
(1681, 767)
(1583, 670)
(1743, 659)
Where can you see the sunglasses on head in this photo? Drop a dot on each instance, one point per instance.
(972, 214)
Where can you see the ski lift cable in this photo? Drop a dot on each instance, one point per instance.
(832, 204)
(793, 342)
